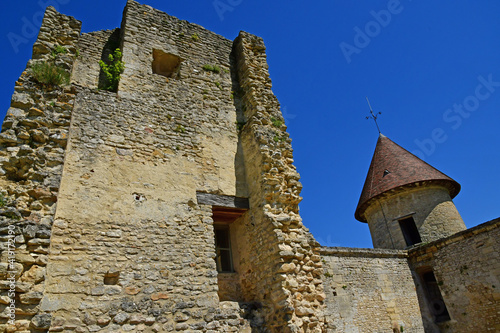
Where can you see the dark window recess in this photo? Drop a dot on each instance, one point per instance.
(223, 257)
(166, 64)
(111, 278)
(410, 231)
(435, 300)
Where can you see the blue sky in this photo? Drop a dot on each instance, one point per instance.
(431, 68)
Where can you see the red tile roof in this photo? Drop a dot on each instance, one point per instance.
(393, 167)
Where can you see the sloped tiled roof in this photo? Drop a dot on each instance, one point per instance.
(393, 167)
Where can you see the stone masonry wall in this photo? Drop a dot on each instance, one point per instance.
(467, 270)
(93, 46)
(369, 290)
(32, 149)
(281, 268)
(132, 249)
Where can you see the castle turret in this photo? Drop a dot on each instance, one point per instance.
(405, 201)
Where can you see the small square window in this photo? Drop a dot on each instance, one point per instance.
(166, 64)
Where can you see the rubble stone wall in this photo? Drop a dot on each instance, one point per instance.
(467, 269)
(369, 290)
(33, 142)
(92, 47)
(281, 268)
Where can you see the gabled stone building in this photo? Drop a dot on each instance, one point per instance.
(171, 204)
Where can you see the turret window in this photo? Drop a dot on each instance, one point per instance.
(410, 231)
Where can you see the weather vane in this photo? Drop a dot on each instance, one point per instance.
(373, 116)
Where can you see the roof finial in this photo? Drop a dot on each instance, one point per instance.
(373, 116)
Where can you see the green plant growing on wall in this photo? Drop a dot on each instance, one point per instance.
(210, 68)
(13, 216)
(180, 129)
(47, 73)
(195, 37)
(113, 70)
(328, 274)
(278, 138)
(3, 202)
(58, 50)
(276, 122)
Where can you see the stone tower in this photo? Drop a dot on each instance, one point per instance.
(168, 204)
(405, 200)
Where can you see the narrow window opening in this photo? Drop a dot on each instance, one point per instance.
(434, 297)
(166, 64)
(224, 257)
(410, 231)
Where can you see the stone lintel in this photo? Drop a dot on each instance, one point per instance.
(226, 201)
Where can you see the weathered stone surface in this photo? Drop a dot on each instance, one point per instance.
(121, 318)
(369, 288)
(41, 321)
(466, 266)
(31, 167)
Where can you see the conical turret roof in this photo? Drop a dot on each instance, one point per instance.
(393, 167)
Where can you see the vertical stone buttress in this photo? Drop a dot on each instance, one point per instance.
(32, 150)
(283, 270)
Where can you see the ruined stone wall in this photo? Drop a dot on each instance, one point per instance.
(281, 267)
(32, 148)
(431, 207)
(92, 47)
(131, 248)
(369, 290)
(467, 270)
